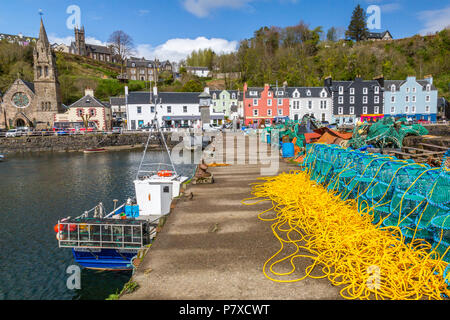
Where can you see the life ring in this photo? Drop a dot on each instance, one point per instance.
(60, 236)
(165, 173)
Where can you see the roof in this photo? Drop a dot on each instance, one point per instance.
(197, 68)
(166, 97)
(315, 91)
(398, 83)
(116, 101)
(98, 49)
(88, 102)
(378, 35)
(30, 85)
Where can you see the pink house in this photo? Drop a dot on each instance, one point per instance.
(264, 105)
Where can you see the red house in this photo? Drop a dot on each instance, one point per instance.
(265, 105)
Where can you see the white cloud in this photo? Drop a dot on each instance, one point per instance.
(69, 39)
(178, 49)
(435, 20)
(202, 8)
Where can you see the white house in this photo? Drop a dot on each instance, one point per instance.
(315, 101)
(172, 109)
(202, 72)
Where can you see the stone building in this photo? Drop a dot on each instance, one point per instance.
(34, 104)
(146, 70)
(96, 52)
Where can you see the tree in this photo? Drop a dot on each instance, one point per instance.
(332, 34)
(192, 86)
(122, 46)
(357, 30)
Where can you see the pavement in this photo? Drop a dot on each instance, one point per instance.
(213, 248)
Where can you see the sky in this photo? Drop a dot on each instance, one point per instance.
(171, 29)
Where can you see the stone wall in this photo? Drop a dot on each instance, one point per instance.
(76, 142)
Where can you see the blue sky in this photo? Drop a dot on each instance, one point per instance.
(170, 29)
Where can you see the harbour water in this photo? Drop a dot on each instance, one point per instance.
(36, 191)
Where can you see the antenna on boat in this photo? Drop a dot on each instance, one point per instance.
(154, 100)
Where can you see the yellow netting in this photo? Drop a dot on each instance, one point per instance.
(344, 245)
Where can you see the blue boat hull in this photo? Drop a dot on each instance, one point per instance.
(105, 259)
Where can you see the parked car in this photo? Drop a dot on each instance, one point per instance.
(208, 127)
(13, 133)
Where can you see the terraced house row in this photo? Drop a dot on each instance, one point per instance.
(343, 102)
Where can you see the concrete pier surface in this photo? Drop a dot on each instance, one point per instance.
(212, 247)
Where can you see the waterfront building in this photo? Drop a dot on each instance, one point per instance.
(313, 101)
(34, 104)
(175, 109)
(411, 98)
(19, 39)
(356, 100)
(87, 110)
(118, 107)
(265, 105)
(226, 102)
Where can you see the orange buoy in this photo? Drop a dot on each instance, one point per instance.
(58, 227)
(165, 173)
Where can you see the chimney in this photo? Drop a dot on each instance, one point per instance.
(328, 82)
(89, 92)
(429, 78)
(155, 91)
(380, 80)
(207, 90)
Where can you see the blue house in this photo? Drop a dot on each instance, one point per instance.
(411, 98)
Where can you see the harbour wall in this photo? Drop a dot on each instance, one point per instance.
(74, 143)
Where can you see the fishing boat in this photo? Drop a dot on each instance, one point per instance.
(111, 241)
(97, 150)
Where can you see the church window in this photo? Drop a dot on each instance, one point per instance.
(46, 71)
(42, 106)
(39, 69)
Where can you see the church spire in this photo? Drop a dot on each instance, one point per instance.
(43, 34)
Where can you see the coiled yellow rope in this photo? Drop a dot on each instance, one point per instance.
(368, 260)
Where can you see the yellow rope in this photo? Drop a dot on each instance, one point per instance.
(343, 244)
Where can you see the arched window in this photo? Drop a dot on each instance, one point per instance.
(393, 88)
(92, 112)
(46, 71)
(79, 112)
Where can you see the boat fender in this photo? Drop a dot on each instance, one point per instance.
(164, 173)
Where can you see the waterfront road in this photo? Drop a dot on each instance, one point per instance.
(212, 247)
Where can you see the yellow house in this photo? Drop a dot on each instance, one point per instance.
(88, 110)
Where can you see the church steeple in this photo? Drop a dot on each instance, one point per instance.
(43, 35)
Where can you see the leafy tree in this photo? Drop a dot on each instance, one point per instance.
(192, 86)
(332, 34)
(357, 30)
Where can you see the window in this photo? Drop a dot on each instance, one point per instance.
(233, 96)
(352, 110)
(406, 109)
(280, 112)
(152, 109)
(323, 104)
(428, 87)
(393, 99)
(323, 94)
(255, 102)
(427, 99)
(413, 109)
(310, 104)
(341, 100)
(365, 99)
(308, 93)
(253, 93)
(393, 88)
(269, 102)
(46, 71)
(341, 90)
(133, 64)
(407, 99)
(352, 100)
(214, 96)
(364, 110)
(79, 112)
(169, 109)
(269, 94)
(139, 109)
(340, 110)
(255, 112)
(377, 90)
(184, 109)
(92, 112)
(376, 99)
(352, 90)
(376, 110)
(392, 109)
(407, 90)
(414, 90)
(323, 117)
(365, 90)
(280, 102)
(269, 112)
(427, 109)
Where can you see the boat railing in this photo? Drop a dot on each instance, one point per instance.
(109, 234)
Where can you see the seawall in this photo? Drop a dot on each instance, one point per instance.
(78, 142)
